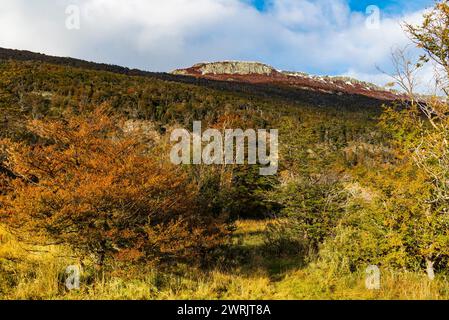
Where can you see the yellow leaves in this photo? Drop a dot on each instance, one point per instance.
(432, 35)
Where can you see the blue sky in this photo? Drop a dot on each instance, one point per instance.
(390, 6)
(315, 36)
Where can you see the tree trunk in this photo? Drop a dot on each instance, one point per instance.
(429, 269)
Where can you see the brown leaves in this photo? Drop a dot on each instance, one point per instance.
(89, 184)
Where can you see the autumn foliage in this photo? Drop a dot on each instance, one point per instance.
(92, 184)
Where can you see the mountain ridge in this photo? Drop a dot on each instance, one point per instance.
(257, 72)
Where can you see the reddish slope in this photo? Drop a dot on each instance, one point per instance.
(258, 73)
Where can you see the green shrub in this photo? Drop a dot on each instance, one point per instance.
(311, 211)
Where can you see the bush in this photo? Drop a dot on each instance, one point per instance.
(393, 225)
(247, 197)
(99, 188)
(311, 211)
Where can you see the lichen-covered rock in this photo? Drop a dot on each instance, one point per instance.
(228, 67)
(235, 67)
(180, 72)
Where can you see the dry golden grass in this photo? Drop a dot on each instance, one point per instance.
(29, 274)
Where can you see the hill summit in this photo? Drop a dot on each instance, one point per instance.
(230, 67)
(260, 73)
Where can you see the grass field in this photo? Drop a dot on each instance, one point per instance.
(251, 273)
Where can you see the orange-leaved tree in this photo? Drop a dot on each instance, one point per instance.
(94, 185)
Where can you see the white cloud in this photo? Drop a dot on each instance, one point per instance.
(321, 36)
(306, 14)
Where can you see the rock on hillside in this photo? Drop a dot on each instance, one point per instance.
(230, 67)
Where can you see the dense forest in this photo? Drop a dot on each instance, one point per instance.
(85, 180)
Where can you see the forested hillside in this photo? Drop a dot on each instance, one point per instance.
(317, 142)
(86, 180)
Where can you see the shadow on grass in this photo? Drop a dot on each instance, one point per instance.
(250, 254)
